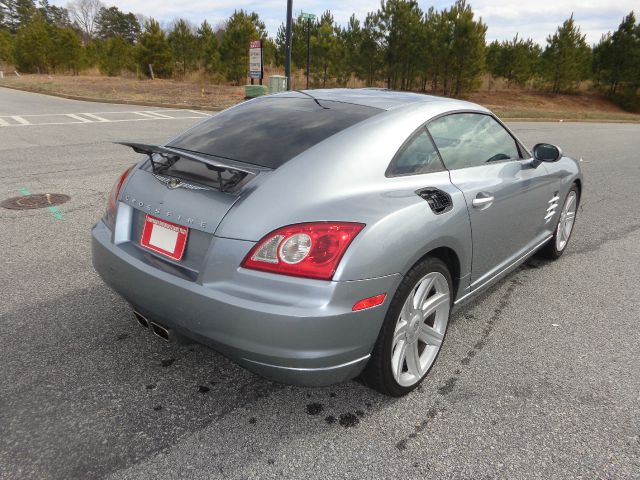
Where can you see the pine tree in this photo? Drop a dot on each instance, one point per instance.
(153, 49)
(240, 29)
(33, 46)
(112, 22)
(6, 47)
(208, 49)
(183, 44)
(566, 58)
(115, 56)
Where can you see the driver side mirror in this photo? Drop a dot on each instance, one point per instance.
(545, 152)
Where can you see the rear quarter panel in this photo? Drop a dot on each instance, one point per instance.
(343, 179)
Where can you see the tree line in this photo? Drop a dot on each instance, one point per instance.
(399, 46)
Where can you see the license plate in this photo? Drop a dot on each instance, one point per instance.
(164, 237)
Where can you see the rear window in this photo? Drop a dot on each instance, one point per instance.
(270, 131)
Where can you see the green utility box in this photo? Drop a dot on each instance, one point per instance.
(253, 91)
(277, 83)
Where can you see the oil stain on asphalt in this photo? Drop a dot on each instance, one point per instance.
(314, 408)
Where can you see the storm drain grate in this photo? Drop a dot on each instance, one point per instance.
(38, 200)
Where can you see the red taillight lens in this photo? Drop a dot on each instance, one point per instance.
(113, 196)
(115, 190)
(311, 250)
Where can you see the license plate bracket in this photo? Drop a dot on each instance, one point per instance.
(165, 238)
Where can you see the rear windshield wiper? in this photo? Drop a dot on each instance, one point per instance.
(235, 174)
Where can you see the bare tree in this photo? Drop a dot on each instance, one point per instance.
(84, 13)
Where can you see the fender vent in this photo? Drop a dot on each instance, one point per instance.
(553, 206)
(439, 201)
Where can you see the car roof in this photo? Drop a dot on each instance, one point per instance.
(379, 98)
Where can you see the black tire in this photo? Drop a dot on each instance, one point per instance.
(378, 373)
(550, 250)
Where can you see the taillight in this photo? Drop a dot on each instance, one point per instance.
(110, 215)
(311, 250)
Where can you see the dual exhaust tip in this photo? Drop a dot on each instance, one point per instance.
(164, 333)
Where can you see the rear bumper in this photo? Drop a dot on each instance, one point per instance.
(291, 330)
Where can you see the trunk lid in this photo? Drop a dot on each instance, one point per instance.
(185, 189)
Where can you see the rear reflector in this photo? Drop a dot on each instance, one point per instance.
(369, 302)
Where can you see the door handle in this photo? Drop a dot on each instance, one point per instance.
(482, 200)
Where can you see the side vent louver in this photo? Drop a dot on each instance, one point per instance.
(439, 201)
(553, 206)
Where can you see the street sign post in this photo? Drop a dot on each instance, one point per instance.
(309, 17)
(255, 61)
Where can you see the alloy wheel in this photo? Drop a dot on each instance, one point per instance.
(567, 218)
(420, 329)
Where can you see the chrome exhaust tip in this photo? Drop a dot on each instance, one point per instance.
(142, 320)
(160, 331)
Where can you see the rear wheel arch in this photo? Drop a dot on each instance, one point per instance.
(451, 259)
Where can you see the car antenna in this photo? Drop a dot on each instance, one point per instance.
(312, 97)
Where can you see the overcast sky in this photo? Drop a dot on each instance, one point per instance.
(530, 18)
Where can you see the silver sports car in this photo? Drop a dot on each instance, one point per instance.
(315, 236)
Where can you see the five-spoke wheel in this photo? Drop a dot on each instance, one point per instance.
(413, 330)
(420, 329)
(557, 245)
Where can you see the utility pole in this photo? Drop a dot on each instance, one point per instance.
(287, 55)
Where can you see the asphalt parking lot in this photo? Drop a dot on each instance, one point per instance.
(539, 378)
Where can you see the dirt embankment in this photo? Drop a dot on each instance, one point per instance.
(129, 90)
(507, 103)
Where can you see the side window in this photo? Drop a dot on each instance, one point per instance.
(472, 139)
(417, 156)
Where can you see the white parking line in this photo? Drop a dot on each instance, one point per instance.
(20, 120)
(35, 120)
(96, 117)
(76, 117)
(200, 113)
(144, 114)
(157, 114)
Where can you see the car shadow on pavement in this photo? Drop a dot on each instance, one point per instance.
(87, 391)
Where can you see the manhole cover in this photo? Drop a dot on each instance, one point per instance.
(38, 200)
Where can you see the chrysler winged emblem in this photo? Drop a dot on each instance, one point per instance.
(173, 183)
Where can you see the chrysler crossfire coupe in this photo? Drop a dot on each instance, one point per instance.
(322, 235)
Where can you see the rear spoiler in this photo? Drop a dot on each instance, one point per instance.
(240, 172)
(170, 154)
